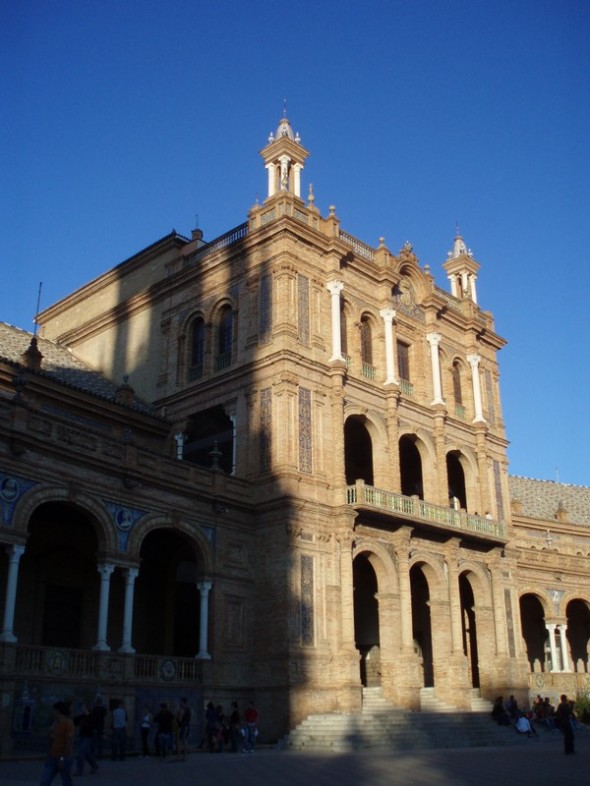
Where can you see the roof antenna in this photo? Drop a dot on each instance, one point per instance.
(38, 306)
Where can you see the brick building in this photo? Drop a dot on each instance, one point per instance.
(274, 466)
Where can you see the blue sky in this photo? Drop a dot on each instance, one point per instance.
(123, 120)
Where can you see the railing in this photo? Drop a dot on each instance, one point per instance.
(460, 411)
(227, 239)
(406, 387)
(88, 664)
(413, 507)
(369, 371)
(360, 248)
(195, 372)
(223, 361)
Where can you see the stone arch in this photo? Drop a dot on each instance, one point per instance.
(193, 533)
(424, 445)
(480, 580)
(93, 507)
(376, 431)
(381, 561)
(535, 608)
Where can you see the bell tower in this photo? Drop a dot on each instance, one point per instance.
(461, 269)
(284, 157)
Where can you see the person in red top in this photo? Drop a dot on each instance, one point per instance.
(250, 728)
(61, 751)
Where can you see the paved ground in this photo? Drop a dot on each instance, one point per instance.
(536, 761)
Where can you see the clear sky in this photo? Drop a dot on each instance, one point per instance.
(120, 121)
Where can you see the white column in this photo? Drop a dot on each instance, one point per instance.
(464, 283)
(474, 363)
(272, 180)
(14, 554)
(179, 445)
(434, 340)
(472, 280)
(131, 575)
(455, 288)
(335, 288)
(297, 179)
(388, 315)
(565, 661)
(204, 588)
(554, 658)
(106, 571)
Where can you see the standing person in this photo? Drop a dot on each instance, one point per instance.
(235, 726)
(183, 719)
(61, 750)
(85, 736)
(211, 726)
(251, 728)
(144, 729)
(99, 713)
(563, 715)
(165, 720)
(119, 738)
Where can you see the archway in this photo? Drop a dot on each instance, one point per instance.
(410, 464)
(456, 481)
(167, 598)
(534, 632)
(578, 633)
(358, 452)
(469, 626)
(366, 620)
(57, 602)
(421, 622)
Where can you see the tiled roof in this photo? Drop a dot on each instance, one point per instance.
(541, 498)
(61, 365)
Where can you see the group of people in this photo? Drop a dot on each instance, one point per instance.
(172, 730)
(234, 732)
(563, 718)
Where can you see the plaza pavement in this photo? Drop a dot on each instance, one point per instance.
(538, 761)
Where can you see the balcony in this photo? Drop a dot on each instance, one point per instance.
(413, 510)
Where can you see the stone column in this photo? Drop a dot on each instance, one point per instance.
(455, 600)
(297, 179)
(131, 575)
(405, 595)
(434, 340)
(15, 552)
(271, 179)
(474, 363)
(204, 588)
(555, 664)
(335, 288)
(388, 315)
(565, 661)
(106, 571)
(472, 280)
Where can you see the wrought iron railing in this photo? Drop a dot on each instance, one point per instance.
(412, 507)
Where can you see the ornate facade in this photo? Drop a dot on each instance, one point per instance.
(274, 466)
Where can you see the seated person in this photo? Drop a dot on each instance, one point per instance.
(523, 725)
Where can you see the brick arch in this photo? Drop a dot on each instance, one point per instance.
(93, 507)
(152, 522)
(381, 561)
(433, 569)
(543, 598)
(480, 581)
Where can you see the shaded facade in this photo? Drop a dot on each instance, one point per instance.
(274, 466)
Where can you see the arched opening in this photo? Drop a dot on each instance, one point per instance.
(197, 349)
(225, 338)
(578, 633)
(410, 463)
(208, 433)
(167, 598)
(366, 620)
(456, 481)
(421, 622)
(358, 452)
(469, 626)
(366, 336)
(57, 602)
(534, 632)
(457, 392)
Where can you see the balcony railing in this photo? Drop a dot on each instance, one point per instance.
(414, 508)
(38, 661)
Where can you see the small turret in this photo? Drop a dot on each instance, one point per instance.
(284, 157)
(461, 270)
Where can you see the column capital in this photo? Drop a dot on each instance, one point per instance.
(474, 360)
(204, 585)
(15, 551)
(335, 287)
(387, 314)
(433, 339)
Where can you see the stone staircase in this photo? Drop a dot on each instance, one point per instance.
(385, 726)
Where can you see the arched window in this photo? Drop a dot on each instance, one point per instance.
(224, 338)
(457, 393)
(368, 369)
(197, 349)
